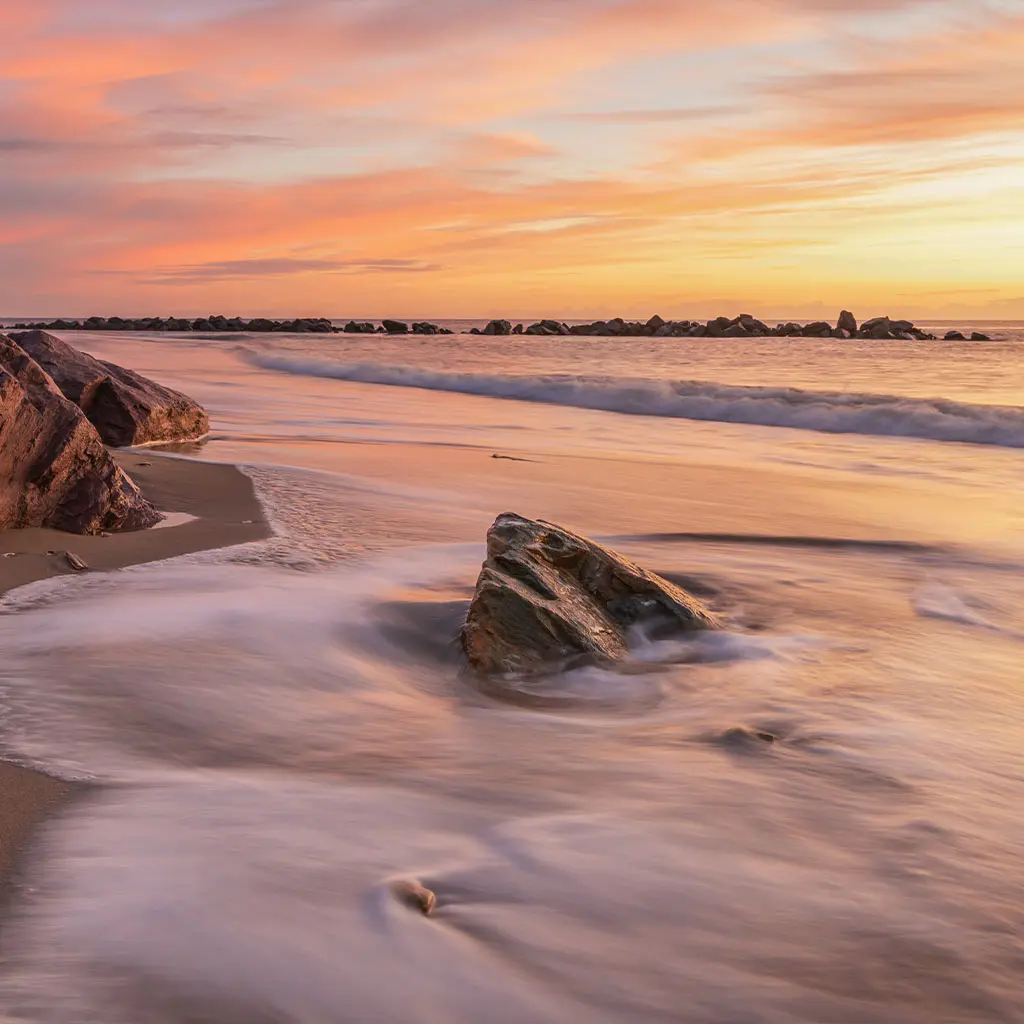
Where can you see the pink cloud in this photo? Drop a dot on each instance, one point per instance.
(298, 140)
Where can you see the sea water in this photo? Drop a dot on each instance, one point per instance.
(813, 816)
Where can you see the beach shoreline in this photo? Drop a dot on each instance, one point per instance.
(218, 500)
(220, 509)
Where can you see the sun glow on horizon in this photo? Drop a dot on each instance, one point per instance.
(471, 158)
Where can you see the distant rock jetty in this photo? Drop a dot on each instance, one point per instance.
(742, 326)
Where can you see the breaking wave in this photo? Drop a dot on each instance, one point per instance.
(833, 412)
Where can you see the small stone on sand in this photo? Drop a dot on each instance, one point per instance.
(414, 895)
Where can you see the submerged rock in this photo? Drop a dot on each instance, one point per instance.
(743, 739)
(124, 407)
(54, 469)
(547, 598)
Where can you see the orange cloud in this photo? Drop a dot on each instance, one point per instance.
(458, 152)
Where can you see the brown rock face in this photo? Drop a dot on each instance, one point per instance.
(54, 470)
(124, 407)
(547, 598)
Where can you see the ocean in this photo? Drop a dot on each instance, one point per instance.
(284, 729)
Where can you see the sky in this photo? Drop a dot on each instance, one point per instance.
(570, 158)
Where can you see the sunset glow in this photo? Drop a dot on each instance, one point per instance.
(512, 157)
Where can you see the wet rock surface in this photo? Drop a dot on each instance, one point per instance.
(54, 469)
(124, 407)
(548, 598)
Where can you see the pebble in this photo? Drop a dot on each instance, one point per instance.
(414, 895)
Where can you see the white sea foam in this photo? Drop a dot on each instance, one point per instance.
(834, 412)
(606, 848)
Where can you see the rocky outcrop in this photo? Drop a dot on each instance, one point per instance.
(847, 322)
(548, 598)
(124, 407)
(54, 469)
(395, 326)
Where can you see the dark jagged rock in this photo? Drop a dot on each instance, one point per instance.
(978, 336)
(54, 469)
(498, 327)
(752, 325)
(954, 336)
(546, 328)
(395, 326)
(124, 407)
(879, 327)
(261, 325)
(423, 327)
(547, 598)
(847, 322)
(819, 329)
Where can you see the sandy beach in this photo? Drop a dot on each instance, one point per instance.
(219, 497)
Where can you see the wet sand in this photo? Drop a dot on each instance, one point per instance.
(26, 798)
(221, 499)
(226, 512)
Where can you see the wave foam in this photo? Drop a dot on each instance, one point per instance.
(833, 412)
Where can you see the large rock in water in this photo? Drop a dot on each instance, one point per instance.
(548, 598)
(54, 469)
(124, 407)
(847, 322)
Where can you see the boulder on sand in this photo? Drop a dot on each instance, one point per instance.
(548, 598)
(54, 469)
(124, 407)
